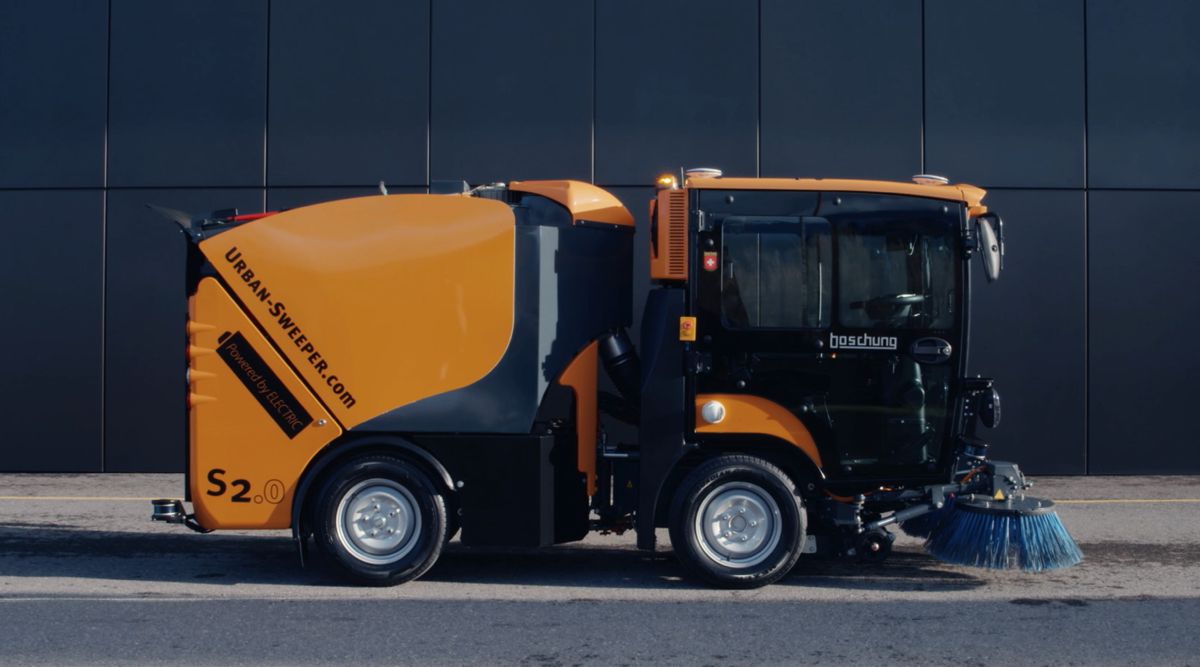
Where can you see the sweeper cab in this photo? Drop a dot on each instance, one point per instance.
(379, 374)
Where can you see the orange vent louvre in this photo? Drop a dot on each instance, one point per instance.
(669, 255)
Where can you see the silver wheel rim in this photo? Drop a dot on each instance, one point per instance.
(739, 524)
(378, 521)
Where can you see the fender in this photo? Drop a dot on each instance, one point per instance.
(348, 447)
(744, 415)
(753, 414)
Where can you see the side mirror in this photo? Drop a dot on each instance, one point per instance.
(991, 244)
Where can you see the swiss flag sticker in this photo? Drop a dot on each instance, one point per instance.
(710, 261)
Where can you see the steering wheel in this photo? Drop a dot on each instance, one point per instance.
(889, 307)
(897, 300)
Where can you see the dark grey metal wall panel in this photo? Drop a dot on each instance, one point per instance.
(1028, 331)
(322, 100)
(841, 89)
(284, 198)
(53, 69)
(1143, 93)
(1143, 318)
(676, 86)
(349, 92)
(145, 314)
(511, 90)
(1005, 92)
(187, 92)
(52, 272)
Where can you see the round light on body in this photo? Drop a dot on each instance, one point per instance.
(713, 412)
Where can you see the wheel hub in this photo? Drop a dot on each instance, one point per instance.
(378, 521)
(738, 525)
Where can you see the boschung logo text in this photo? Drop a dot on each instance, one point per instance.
(861, 342)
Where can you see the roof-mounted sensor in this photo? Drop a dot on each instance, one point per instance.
(702, 172)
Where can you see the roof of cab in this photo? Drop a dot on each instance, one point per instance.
(961, 192)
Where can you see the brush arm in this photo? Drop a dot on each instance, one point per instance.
(903, 515)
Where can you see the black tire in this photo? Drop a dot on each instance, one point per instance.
(453, 523)
(397, 501)
(744, 554)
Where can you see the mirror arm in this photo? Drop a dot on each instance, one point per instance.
(970, 240)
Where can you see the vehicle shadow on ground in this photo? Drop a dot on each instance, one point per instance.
(34, 550)
(902, 571)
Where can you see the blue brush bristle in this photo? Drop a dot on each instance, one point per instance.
(926, 524)
(1030, 542)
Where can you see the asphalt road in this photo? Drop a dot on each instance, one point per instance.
(86, 578)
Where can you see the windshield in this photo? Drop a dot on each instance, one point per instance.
(895, 274)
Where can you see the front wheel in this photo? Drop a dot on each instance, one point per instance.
(736, 522)
(380, 520)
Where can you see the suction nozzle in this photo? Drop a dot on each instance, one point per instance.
(170, 511)
(173, 511)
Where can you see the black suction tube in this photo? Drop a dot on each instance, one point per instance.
(622, 365)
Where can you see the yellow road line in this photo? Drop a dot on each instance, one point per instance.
(93, 498)
(1093, 501)
(1118, 501)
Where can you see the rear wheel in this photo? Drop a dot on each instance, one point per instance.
(736, 522)
(380, 520)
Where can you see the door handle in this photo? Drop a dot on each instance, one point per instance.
(931, 350)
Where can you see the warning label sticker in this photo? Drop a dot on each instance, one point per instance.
(266, 387)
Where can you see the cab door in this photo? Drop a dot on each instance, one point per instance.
(846, 311)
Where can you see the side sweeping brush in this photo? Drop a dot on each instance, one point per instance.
(1017, 533)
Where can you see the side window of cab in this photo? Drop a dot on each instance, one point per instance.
(776, 273)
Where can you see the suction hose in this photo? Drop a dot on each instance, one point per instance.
(622, 364)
